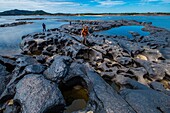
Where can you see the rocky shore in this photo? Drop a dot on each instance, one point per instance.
(56, 73)
(30, 19)
(15, 24)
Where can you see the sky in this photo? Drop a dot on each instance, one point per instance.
(87, 6)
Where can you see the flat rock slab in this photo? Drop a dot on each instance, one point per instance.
(147, 101)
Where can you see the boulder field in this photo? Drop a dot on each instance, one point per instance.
(57, 73)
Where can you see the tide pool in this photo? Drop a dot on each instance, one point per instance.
(124, 31)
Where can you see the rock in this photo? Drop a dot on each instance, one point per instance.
(36, 69)
(124, 60)
(157, 86)
(4, 78)
(147, 101)
(41, 59)
(80, 72)
(36, 95)
(139, 73)
(153, 55)
(130, 47)
(30, 19)
(25, 61)
(134, 34)
(128, 83)
(142, 57)
(156, 71)
(102, 94)
(9, 63)
(58, 69)
(15, 24)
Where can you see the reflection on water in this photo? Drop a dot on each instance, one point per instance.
(10, 37)
(76, 105)
(124, 30)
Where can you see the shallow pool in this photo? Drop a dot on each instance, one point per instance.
(124, 31)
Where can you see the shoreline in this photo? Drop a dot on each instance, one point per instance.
(95, 15)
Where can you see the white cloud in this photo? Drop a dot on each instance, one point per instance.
(109, 2)
(166, 1)
(160, 1)
(57, 6)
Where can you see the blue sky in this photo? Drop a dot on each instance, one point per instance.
(88, 6)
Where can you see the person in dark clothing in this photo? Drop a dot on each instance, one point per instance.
(44, 27)
(91, 30)
(70, 23)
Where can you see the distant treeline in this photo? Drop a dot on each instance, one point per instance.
(41, 12)
(157, 13)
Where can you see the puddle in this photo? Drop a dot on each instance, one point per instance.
(75, 94)
(124, 30)
(76, 105)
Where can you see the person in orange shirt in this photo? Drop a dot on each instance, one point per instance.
(84, 34)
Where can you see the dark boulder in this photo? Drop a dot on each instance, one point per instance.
(59, 68)
(35, 94)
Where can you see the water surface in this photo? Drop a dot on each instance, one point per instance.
(10, 37)
(124, 30)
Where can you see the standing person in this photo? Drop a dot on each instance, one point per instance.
(91, 30)
(84, 34)
(44, 27)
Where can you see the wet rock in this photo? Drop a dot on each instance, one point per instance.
(134, 34)
(58, 69)
(36, 95)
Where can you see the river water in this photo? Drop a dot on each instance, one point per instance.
(10, 37)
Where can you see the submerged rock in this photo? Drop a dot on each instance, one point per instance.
(15, 24)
